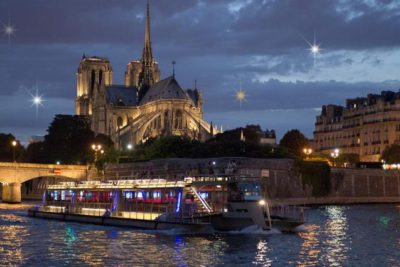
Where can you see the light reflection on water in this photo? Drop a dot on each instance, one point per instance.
(334, 236)
(310, 248)
(337, 238)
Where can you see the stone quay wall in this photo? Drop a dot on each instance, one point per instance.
(281, 182)
(277, 176)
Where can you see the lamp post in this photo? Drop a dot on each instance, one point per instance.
(335, 155)
(96, 148)
(307, 151)
(14, 144)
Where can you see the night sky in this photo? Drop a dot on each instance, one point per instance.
(216, 42)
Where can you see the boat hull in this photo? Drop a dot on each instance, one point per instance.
(120, 222)
(285, 224)
(221, 223)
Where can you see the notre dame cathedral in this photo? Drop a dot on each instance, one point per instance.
(145, 107)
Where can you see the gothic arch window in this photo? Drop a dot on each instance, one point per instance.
(178, 119)
(100, 76)
(119, 122)
(92, 81)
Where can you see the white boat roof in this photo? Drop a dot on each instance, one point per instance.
(140, 183)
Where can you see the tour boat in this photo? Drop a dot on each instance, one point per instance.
(193, 203)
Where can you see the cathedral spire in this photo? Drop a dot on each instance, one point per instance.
(146, 76)
(147, 56)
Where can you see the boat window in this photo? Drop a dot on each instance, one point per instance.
(244, 191)
(204, 195)
(250, 190)
(242, 210)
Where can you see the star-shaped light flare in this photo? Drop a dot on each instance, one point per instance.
(240, 96)
(37, 100)
(315, 48)
(9, 30)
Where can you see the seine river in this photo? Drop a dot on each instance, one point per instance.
(362, 235)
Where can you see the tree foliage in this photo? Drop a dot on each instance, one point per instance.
(348, 158)
(68, 141)
(315, 174)
(294, 141)
(227, 144)
(7, 149)
(391, 154)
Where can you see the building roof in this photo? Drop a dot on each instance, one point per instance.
(193, 94)
(120, 95)
(167, 88)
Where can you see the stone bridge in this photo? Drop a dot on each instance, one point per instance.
(12, 175)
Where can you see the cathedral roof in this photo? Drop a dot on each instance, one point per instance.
(193, 94)
(165, 89)
(120, 95)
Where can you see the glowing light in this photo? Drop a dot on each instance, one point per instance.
(37, 100)
(261, 202)
(9, 30)
(178, 202)
(315, 48)
(241, 95)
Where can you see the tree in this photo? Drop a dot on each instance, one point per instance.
(294, 141)
(110, 155)
(7, 149)
(391, 154)
(36, 153)
(104, 140)
(68, 140)
(348, 158)
(227, 144)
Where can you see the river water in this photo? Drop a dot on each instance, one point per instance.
(360, 235)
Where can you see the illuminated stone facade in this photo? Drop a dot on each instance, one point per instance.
(93, 72)
(144, 107)
(366, 126)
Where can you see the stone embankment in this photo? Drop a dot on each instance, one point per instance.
(281, 182)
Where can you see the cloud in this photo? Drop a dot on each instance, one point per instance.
(216, 42)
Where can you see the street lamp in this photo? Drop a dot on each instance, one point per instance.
(129, 146)
(14, 144)
(334, 155)
(307, 151)
(96, 148)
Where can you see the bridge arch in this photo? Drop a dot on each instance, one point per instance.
(12, 175)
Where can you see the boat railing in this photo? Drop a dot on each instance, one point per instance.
(137, 183)
(203, 203)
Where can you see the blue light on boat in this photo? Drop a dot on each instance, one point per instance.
(72, 199)
(115, 202)
(178, 202)
(44, 198)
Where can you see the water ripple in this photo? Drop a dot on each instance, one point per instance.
(334, 236)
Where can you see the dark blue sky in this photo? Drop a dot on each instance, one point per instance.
(217, 42)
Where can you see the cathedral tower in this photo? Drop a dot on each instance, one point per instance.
(144, 72)
(93, 73)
